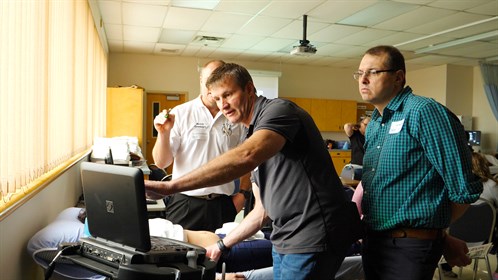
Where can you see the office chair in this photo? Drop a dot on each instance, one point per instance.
(352, 171)
(347, 171)
(475, 227)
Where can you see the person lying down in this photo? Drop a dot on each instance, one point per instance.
(351, 268)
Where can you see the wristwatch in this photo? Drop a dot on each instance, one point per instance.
(247, 194)
(222, 246)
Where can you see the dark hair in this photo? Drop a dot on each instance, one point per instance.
(480, 167)
(230, 70)
(394, 58)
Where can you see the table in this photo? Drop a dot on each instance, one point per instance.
(157, 210)
(350, 182)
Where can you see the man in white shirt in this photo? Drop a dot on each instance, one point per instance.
(194, 133)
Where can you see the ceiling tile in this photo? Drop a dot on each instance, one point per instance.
(242, 7)
(364, 36)
(414, 18)
(334, 11)
(458, 5)
(395, 39)
(185, 19)
(205, 51)
(111, 11)
(113, 31)
(143, 15)
(489, 8)
(415, 2)
(263, 26)
(141, 34)
(266, 30)
(351, 52)
(241, 42)
(191, 50)
(272, 44)
(433, 60)
(204, 4)
(149, 2)
(225, 22)
(476, 29)
(283, 9)
(175, 36)
(377, 13)
(294, 30)
(333, 33)
(480, 50)
(425, 43)
(445, 23)
(330, 49)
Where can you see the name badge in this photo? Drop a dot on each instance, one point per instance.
(201, 125)
(396, 127)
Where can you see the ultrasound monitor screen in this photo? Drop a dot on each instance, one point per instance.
(474, 137)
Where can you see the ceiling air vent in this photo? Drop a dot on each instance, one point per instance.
(169, 51)
(209, 40)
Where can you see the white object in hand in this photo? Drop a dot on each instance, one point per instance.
(162, 117)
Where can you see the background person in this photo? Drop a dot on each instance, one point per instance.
(480, 167)
(417, 174)
(356, 134)
(194, 133)
(295, 185)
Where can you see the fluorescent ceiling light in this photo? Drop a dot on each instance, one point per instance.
(447, 31)
(204, 4)
(495, 58)
(458, 42)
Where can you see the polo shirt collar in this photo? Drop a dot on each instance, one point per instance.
(255, 114)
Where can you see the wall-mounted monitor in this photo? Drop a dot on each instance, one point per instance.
(474, 137)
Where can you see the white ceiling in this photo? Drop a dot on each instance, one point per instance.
(341, 30)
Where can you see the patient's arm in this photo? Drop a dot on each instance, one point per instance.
(253, 222)
(201, 238)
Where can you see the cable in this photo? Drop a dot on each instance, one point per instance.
(72, 247)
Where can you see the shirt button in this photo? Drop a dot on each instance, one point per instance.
(373, 169)
(378, 147)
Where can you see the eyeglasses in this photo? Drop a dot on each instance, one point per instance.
(371, 72)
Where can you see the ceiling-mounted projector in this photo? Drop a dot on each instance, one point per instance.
(305, 48)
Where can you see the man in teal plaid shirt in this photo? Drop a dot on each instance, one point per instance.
(417, 174)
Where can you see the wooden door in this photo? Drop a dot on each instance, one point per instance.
(156, 102)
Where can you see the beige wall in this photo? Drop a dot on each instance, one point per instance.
(429, 82)
(165, 73)
(17, 228)
(457, 87)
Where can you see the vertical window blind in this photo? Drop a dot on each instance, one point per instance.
(53, 74)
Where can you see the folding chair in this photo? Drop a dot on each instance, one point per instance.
(475, 227)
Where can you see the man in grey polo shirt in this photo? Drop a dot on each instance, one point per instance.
(294, 181)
